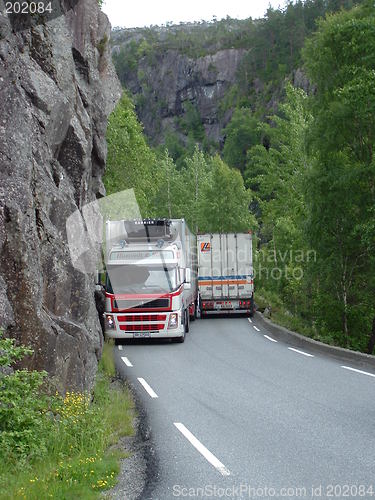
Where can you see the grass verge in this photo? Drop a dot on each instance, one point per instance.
(281, 316)
(79, 431)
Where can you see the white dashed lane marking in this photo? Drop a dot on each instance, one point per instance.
(358, 371)
(126, 361)
(270, 338)
(147, 388)
(203, 450)
(301, 352)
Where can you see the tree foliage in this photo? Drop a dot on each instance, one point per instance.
(225, 206)
(130, 162)
(165, 190)
(276, 174)
(340, 59)
(241, 133)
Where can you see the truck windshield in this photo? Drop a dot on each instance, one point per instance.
(138, 279)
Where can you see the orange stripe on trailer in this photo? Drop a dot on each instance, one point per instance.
(223, 282)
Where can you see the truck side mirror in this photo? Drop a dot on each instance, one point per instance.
(188, 275)
(97, 277)
(100, 277)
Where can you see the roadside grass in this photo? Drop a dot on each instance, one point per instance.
(79, 458)
(282, 316)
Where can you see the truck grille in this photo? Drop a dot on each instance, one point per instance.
(123, 304)
(132, 318)
(142, 327)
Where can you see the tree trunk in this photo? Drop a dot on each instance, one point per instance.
(371, 343)
(345, 318)
(196, 199)
(169, 199)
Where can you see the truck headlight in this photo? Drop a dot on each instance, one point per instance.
(173, 320)
(110, 322)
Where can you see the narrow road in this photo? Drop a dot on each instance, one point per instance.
(235, 414)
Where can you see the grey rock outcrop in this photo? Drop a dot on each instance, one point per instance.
(57, 88)
(175, 79)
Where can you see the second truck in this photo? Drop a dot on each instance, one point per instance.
(225, 273)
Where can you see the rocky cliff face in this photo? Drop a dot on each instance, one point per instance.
(173, 80)
(57, 87)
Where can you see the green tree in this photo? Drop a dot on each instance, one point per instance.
(340, 59)
(276, 175)
(196, 178)
(170, 194)
(130, 162)
(191, 122)
(241, 134)
(226, 201)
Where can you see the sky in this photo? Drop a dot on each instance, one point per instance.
(138, 13)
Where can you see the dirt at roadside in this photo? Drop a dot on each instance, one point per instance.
(138, 470)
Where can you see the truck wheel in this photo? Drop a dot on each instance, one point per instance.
(198, 312)
(178, 340)
(252, 308)
(187, 321)
(192, 318)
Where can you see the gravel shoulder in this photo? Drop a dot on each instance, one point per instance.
(139, 466)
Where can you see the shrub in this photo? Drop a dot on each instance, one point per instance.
(22, 406)
(62, 446)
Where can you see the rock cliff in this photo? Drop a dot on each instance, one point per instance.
(165, 85)
(57, 88)
(192, 76)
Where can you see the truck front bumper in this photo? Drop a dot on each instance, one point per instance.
(142, 325)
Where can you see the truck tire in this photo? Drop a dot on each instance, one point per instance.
(192, 318)
(178, 340)
(252, 308)
(198, 312)
(187, 321)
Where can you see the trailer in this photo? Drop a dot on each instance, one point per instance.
(151, 279)
(225, 273)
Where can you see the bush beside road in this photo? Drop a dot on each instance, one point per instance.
(60, 446)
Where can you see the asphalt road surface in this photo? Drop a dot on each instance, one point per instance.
(235, 414)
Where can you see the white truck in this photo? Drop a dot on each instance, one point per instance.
(225, 273)
(151, 279)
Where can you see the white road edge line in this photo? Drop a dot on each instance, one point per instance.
(256, 328)
(147, 388)
(358, 371)
(270, 338)
(301, 352)
(120, 347)
(202, 449)
(249, 320)
(126, 361)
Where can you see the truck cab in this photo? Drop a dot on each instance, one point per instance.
(149, 286)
